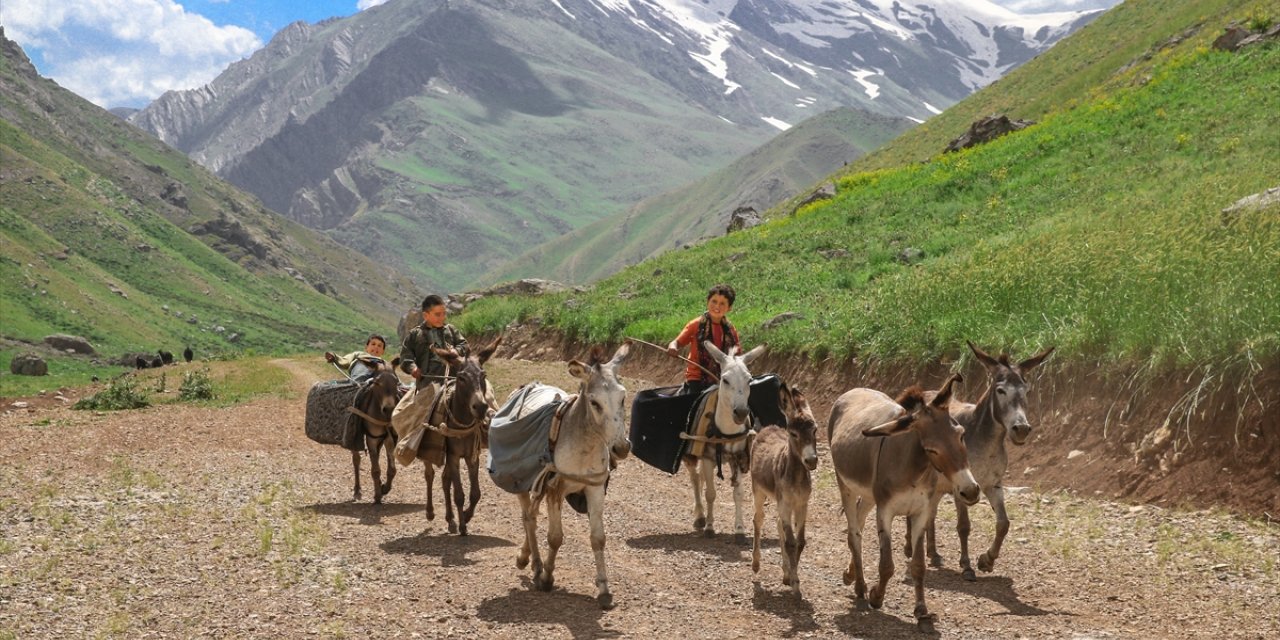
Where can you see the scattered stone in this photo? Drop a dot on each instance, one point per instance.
(234, 337)
(20, 405)
(781, 319)
(832, 254)
(117, 290)
(28, 364)
(63, 342)
(910, 255)
(1231, 39)
(986, 130)
(219, 329)
(825, 192)
(1256, 202)
(1075, 453)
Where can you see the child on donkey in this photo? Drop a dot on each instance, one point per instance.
(428, 370)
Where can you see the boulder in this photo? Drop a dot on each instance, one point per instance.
(743, 218)
(1256, 202)
(63, 342)
(1231, 39)
(28, 364)
(910, 255)
(825, 192)
(986, 130)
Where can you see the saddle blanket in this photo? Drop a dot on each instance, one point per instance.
(520, 436)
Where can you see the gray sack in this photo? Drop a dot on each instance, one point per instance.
(520, 447)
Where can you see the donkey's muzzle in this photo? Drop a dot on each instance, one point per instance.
(621, 450)
(1019, 433)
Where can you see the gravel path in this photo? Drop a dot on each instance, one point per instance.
(183, 521)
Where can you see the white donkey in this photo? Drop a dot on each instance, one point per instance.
(591, 434)
(728, 441)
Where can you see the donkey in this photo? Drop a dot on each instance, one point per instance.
(373, 406)
(1001, 409)
(730, 421)
(591, 435)
(781, 458)
(467, 407)
(893, 454)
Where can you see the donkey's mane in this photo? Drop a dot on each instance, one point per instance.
(911, 398)
(1004, 360)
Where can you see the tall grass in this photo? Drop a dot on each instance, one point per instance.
(1097, 230)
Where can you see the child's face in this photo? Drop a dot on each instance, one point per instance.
(434, 317)
(718, 306)
(375, 347)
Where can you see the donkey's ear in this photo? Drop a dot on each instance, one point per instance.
(754, 353)
(579, 370)
(944, 394)
(897, 425)
(986, 360)
(448, 355)
(1034, 361)
(487, 352)
(395, 362)
(621, 354)
(784, 399)
(715, 352)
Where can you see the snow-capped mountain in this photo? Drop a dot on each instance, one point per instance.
(510, 122)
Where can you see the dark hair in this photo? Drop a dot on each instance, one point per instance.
(723, 290)
(430, 301)
(380, 339)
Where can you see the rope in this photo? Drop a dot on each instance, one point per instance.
(664, 350)
(368, 418)
(718, 440)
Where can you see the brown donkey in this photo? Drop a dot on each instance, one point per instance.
(781, 458)
(373, 405)
(892, 454)
(465, 410)
(1001, 410)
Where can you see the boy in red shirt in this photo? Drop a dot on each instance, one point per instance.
(713, 325)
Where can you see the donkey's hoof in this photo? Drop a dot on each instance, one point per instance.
(848, 580)
(522, 561)
(386, 488)
(740, 538)
(544, 582)
(605, 600)
(935, 560)
(876, 597)
(969, 575)
(985, 563)
(925, 625)
(699, 524)
(462, 529)
(709, 532)
(377, 498)
(431, 515)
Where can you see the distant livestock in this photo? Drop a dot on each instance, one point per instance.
(187, 355)
(141, 362)
(166, 357)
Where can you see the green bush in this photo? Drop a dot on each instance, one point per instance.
(196, 385)
(120, 394)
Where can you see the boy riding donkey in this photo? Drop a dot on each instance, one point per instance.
(428, 371)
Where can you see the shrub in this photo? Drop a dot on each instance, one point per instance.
(121, 394)
(196, 385)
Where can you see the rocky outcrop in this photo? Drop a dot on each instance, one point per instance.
(986, 130)
(743, 218)
(74, 344)
(28, 364)
(825, 192)
(1269, 199)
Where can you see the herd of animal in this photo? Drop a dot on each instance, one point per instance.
(161, 359)
(900, 455)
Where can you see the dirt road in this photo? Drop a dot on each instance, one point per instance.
(183, 521)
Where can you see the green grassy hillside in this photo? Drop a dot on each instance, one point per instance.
(1098, 230)
(108, 234)
(774, 171)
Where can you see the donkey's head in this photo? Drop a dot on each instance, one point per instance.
(802, 429)
(735, 387)
(1009, 390)
(940, 435)
(601, 394)
(383, 392)
(469, 400)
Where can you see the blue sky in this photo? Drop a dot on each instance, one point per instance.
(125, 53)
(128, 52)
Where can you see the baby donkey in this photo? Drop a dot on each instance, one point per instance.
(781, 458)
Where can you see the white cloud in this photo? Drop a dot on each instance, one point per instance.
(125, 52)
(365, 4)
(1053, 6)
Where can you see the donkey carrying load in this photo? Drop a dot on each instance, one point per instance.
(459, 425)
(356, 413)
(892, 453)
(546, 444)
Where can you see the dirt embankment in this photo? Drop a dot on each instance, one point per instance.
(1200, 438)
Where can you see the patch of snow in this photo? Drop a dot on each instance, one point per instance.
(931, 108)
(872, 89)
(915, 120)
(561, 7)
(790, 64)
(644, 25)
(776, 122)
(785, 81)
(725, 119)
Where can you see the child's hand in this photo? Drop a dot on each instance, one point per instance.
(672, 351)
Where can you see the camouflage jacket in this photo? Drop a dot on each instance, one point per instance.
(416, 351)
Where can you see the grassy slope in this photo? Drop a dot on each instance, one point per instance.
(1097, 230)
(779, 168)
(79, 196)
